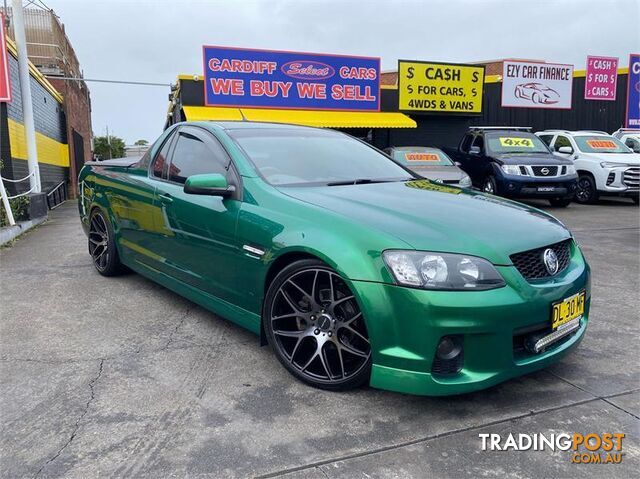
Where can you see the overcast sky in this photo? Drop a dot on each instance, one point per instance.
(156, 40)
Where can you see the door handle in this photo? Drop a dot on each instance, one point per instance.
(166, 199)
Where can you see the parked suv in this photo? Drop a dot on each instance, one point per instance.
(431, 163)
(630, 137)
(604, 164)
(515, 163)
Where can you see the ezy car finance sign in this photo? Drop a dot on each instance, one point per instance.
(536, 85)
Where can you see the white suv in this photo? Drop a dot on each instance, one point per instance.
(604, 164)
(630, 137)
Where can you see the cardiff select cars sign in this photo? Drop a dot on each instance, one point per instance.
(235, 77)
(440, 87)
(536, 85)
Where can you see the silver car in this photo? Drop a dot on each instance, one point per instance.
(431, 163)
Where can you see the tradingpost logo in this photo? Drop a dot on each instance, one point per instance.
(594, 448)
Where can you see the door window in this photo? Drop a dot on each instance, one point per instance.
(562, 141)
(192, 156)
(546, 138)
(162, 160)
(479, 142)
(466, 143)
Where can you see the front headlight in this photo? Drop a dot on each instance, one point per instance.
(465, 182)
(442, 271)
(571, 170)
(511, 169)
(608, 164)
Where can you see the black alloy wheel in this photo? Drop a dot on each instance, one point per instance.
(490, 186)
(586, 192)
(101, 245)
(316, 328)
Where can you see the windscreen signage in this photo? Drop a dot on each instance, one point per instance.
(536, 85)
(633, 92)
(235, 77)
(601, 78)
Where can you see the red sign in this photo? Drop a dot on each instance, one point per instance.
(5, 80)
(601, 78)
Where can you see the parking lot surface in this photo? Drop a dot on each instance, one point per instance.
(120, 377)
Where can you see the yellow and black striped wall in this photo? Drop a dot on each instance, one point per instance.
(51, 131)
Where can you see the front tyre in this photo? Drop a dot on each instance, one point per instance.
(490, 186)
(315, 327)
(587, 192)
(102, 247)
(560, 202)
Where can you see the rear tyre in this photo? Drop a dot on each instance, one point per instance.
(102, 247)
(315, 327)
(587, 192)
(560, 202)
(490, 186)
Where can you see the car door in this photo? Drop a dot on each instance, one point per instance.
(199, 247)
(477, 164)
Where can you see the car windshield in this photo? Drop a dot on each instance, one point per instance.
(420, 156)
(600, 144)
(299, 156)
(515, 143)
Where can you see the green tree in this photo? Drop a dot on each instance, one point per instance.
(105, 150)
(141, 143)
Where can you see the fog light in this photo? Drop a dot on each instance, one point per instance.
(511, 186)
(449, 347)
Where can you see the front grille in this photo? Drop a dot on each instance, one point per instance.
(548, 170)
(631, 177)
(531, 265)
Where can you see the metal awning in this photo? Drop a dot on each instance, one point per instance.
(323, 119)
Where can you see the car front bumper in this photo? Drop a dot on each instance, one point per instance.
(405, 326)
(537, 187)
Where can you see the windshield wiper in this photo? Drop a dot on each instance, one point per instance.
(362, 181)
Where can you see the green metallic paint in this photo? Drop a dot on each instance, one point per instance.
(193, 245)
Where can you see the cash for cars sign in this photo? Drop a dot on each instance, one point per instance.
(601, 78)
(235, 77)
(536, 85)
(440, 87)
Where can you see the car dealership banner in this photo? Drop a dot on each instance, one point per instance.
(633, 92)
(5, 80)
(536, 85)
(601, 78)
(440, 87)
(235, 77)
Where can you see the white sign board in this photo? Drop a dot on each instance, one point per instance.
(536, 85)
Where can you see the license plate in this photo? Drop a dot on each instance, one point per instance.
(546, 188)
(568, 309)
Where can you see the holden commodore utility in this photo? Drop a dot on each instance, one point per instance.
(350, 266)
(515, 163)
(605, 165)
(431, 163)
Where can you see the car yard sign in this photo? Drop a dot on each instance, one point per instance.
(601, 78)
(633, 92)
(440, 87)
(536, 85)
(235, 77)
(5, 82)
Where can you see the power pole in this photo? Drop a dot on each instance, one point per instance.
(25, 93)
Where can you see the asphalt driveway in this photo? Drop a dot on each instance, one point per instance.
(120, 377)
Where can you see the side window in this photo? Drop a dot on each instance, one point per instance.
(161, 162)
(562, 141)
(546, 138)
(479, 142)
(466, 143)
(192, 156)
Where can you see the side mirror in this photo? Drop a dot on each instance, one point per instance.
(213, 184)
(474, 150)
(567, 150)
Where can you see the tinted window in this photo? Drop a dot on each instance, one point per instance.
(479, 142)
(466, 143)
(301, 156)
(162, 160)
(192, 156)
(562, 141)
(546, 138)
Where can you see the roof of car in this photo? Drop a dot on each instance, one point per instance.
(576, 132)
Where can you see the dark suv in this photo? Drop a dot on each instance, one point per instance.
(515, 163)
